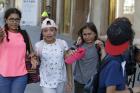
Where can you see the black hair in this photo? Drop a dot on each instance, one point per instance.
(126, 23)
(91, 26)
(8, 12)
(124, 19)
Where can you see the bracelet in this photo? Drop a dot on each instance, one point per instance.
(130, 89)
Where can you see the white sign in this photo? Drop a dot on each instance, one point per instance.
(29, 12)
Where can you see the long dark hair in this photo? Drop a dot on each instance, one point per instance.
(6, 15)
(92, 27)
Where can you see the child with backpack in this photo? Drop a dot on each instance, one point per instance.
(112, 78)
(13, 51)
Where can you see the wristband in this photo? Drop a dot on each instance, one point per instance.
(130, 89)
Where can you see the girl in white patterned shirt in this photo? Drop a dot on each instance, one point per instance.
(52, 52)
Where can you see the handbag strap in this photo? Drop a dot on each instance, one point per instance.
(31, 47)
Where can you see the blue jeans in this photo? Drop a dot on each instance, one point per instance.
(13, 84)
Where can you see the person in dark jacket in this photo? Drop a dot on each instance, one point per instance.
(113, 76)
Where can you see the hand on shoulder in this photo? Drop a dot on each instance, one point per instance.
(99, 43)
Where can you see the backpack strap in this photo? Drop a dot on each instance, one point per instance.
(93, 85)
(27, 41)
(105, 61)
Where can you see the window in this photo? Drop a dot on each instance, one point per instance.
(129, 6)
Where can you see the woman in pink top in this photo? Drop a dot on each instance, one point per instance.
(13, 73)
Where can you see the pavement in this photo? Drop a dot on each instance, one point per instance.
(34, 33)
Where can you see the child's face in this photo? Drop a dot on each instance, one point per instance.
(13, 21)
(88, 35)
(49, 33)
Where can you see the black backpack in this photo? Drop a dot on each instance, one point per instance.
(130, 66)
(93, 83)
(26, 40)
(131, 62)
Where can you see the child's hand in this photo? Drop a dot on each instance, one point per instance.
(99, 43)
(79, 41)
(34, 60)
(69, 52)
(69, 87)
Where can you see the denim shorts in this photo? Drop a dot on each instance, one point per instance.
(13, 84)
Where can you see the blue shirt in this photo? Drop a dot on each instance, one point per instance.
(112, 75)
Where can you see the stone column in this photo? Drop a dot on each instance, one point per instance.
(99, 15)
(137, 19)
(104, 17)
(79, 17)
(120, 5)
(59, 14)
